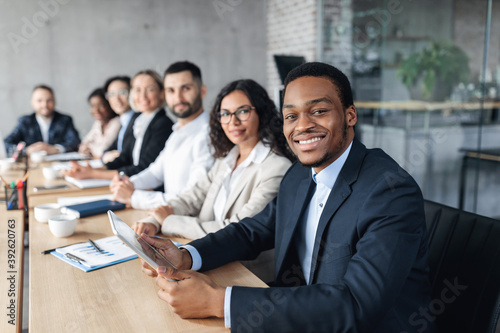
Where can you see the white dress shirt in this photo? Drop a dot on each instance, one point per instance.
(186, 157)
(140, 126)
(232, 177)
(326, 178)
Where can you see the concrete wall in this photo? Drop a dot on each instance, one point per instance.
(74, 45)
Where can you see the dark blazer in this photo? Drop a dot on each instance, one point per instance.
(158, 131)
(61, 132)
(369, 271)
(128, 137)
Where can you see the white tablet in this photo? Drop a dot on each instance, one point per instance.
(143, 249)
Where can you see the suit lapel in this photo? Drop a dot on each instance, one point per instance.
(148, 134)
(37, 132)
(214, 189)
(130, 127)
(340, 192)
(53, 129)
(234, 194)
(337, 196)
(305, 191)
(129, 138)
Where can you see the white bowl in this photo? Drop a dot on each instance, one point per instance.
(38, 156)
(62, 225)
(51, 173)
(44, 212)
(7, 164)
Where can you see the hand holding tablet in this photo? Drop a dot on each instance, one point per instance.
(146, 251)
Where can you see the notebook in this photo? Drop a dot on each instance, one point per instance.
(71, 156)
(88, 183)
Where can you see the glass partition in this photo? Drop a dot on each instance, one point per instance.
(425, 77)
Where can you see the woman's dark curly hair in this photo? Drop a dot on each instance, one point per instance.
(270, 121)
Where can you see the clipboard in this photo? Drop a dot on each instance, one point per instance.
(89, 259)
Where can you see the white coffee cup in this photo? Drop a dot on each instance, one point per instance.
(38, 156)
(62, 225)
(51, 173)
(6, 164)
(44, 212)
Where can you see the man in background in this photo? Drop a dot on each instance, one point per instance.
(45, 129)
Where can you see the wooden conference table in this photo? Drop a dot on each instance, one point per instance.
(11, 262)
(118, 298)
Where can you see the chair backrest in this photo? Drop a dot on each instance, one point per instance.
(464, 260)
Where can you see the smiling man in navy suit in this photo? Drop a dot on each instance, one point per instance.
(347, 226)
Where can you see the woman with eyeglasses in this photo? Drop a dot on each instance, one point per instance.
(251, 158)
(117, 90)
(151, 129)
(105, 128)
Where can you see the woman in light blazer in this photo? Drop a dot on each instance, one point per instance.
(251, 158)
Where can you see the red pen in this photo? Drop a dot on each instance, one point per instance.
(20, 185)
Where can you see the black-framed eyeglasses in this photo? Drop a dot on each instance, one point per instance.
(242, 114)
(121, 92)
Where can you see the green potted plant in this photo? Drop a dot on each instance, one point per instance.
(432, 73)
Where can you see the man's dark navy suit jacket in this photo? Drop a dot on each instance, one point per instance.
(369, 269)
(61, 132)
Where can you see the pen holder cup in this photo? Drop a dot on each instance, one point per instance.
(15, 198)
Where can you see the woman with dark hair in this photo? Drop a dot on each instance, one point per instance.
(117, 89)
(151, 129)
(252, 157)
(105, 128)
(270, 122)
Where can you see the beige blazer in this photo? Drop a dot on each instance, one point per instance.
(258, 185)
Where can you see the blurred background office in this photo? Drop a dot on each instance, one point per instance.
(425, 74)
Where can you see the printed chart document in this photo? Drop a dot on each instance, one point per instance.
(85, 257)
(88, 183)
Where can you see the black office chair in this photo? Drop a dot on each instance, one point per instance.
(464, 260)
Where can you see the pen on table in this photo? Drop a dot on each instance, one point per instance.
(26, 176)
(94, 245)
(47, 251)
(74, 258)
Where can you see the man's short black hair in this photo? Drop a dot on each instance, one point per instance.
(123, 78)
(319, 69)
(45, 87)
(182, 66)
